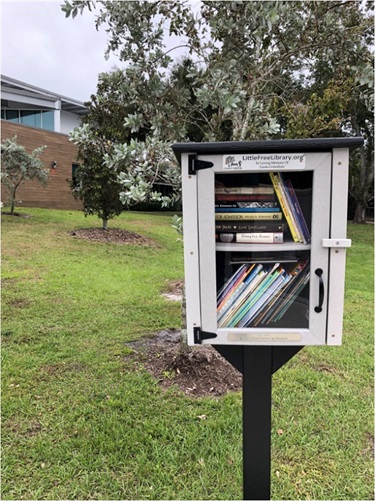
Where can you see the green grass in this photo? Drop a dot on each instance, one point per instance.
(80, 421)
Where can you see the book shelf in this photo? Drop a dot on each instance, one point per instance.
(234, 247)
(263, 284)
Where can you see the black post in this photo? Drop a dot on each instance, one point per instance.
(256, 401)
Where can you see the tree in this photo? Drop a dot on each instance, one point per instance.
(94, 184)
(97, 188)
(338, 110)
(247, 56)
(336, 98)
(115, 171)
(19, 166)
(247, 53)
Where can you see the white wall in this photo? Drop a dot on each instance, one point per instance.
(69, 121)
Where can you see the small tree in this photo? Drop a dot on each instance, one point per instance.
(94, 184)
(19, 166)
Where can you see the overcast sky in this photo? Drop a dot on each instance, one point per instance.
(41, 47)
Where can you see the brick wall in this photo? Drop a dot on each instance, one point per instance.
(57, 194)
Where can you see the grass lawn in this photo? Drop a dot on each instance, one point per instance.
(81, 421)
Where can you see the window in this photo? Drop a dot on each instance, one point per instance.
(32, 118)
(11, 115)
(76, 183)
(40, 119)
(48, 120)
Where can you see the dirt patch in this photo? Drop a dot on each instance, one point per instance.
(20, 303)
(174, 290)
(200, 371)
(112, 235)
(369, 448)
(15, 214)
(62, 368)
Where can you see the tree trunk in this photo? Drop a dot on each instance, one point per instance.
(13, 200)
(105, 224)
(360, 214)
(364, 180)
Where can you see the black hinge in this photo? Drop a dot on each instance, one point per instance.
(200, 336)
(195, 164)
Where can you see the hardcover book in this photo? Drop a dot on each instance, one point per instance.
(251, 238)
(248, 227)
(268, 216)
(263, 190)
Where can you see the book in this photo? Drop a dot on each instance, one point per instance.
(268, 275)
(231, 285)
(289, 204)
(232, 289)
(284, 206)
(250, 226)
(248, 209)
(244, 257)
(265, 293)
(245, 190)
(245, 205)
(298, 275)
(302, 281)
(245, 197)
(223, 216)
(298, 211)
(254, 278)
(274, 286)
(251, 238)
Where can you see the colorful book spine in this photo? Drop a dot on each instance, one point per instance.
(244, 190)
(251, 226)
(298, 211)
(269, 310)
(269, 277)
(233, 292)
(261, 197)
(273, 287)
(283, 203)
(252, 281)
(233, 285)
(245, 205)
(289, 204)
(248, 209)
(252, 238)
(263, 216)
(230, 283)
(263, 295)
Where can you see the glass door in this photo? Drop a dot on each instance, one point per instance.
(268, 265)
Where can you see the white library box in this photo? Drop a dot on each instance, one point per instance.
(265, 240)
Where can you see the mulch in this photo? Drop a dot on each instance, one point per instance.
(112, 235)
(197, 371)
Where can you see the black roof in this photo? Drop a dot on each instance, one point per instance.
(268, 146)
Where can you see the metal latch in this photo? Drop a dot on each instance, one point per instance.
(200, 335)
(194, 164)
(336, 242)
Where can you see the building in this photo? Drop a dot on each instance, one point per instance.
(42, 118)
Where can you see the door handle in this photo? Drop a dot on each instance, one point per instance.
(319, 273)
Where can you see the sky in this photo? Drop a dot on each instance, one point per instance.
(41, 47)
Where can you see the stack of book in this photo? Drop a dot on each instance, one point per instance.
(291, 208)
(258, 294)
(248, 215)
